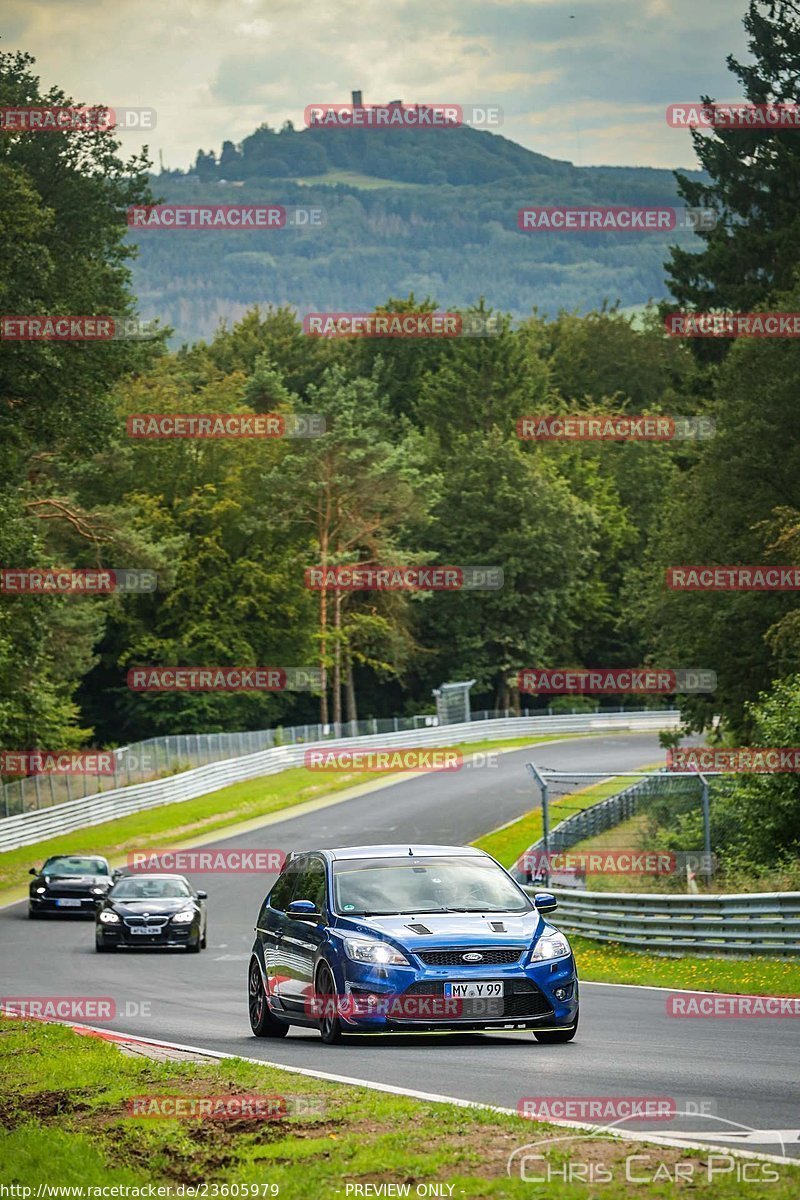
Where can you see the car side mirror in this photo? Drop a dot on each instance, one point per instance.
(545, 902)
(33, 871)
(303, 909)
(202, 895)
(115, 874)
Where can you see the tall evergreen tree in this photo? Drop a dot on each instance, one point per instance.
(754, 249)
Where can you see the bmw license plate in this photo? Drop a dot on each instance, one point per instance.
(473, 991)
(68, 903)
(140, 929)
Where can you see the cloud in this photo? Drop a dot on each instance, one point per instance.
(577, 79)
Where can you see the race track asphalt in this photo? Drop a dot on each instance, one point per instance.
(743, 1071)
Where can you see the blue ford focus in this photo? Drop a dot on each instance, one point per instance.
(378, 939)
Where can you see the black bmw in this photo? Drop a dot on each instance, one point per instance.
(151, 910)
(70, 884)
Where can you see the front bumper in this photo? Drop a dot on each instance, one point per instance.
(50, 904)
(170, 936)
(379, 999)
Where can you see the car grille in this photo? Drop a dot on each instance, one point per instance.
(159, 921)
(455, 958)
(522, 998)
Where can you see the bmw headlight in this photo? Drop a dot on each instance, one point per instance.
(553, 946)
(98, 891)
(184, 917)
(109, 918)
(41, 891)
(369, 950)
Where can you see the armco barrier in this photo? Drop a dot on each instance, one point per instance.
(746, 925)
(25, 829)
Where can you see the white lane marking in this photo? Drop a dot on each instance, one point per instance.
(754, 1137)
(232, 958)
(652, 987)
(434, 1097)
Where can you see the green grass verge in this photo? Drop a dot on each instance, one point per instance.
(63, 1121)
(608, 962)
(639, 832)
(180, 822)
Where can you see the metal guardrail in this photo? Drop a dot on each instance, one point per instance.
(750, 924)
(26, 829)
(157, 757)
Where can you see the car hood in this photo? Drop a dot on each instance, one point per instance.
(154, 907)
(76, 882)
(449, 929)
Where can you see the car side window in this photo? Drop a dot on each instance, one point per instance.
(311, 883)
(281, 893)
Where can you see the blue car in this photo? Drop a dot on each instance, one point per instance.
(378, 939)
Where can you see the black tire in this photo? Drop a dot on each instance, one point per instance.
(555, 1037)
(193, 947)
(330, 1027)
(101, 947)
(204, 939)
(262, 1022)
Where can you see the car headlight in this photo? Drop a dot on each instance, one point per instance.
(109, 918)
(554, 946)
(369, 950)
(98, 891)
(41, 891)
(184, 916)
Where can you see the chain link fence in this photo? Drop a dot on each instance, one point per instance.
(663, 840)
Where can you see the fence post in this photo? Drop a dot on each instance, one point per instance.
(706, 827)
(545, 819)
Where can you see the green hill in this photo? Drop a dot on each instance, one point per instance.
(433, 212)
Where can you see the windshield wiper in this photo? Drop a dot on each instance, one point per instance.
(420, 912)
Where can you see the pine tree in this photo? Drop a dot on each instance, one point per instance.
(754, 250)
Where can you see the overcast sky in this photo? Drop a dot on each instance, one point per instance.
(585, 80)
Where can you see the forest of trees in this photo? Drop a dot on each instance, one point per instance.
(420, 463)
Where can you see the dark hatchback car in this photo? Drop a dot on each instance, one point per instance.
(152, 910)
(69, 884)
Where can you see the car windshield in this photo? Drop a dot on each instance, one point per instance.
(131, 888)
(75, 865)
(387, 886)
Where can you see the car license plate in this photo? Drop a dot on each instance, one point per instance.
(68, 903)
(145, 929)
(473, 991)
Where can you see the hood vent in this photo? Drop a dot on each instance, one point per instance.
(418, 928)
(498, 926)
